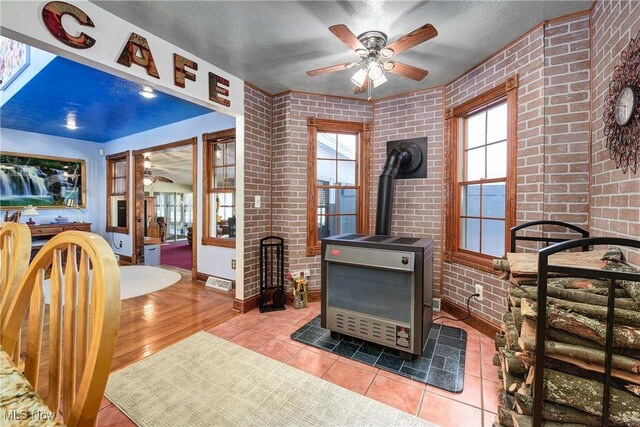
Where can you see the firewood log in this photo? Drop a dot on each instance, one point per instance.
(582, 353)
(635, 389)
(517, 317)
(511, 333)
(501, 265)
(500, 339)
(586, 395)
(578, 324)
(520, 420)
(555, 412)
(574, 295)
(504, 417)
(511, 362)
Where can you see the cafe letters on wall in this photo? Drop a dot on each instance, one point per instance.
(136, 51)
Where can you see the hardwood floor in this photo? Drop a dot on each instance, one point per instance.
(151, 322)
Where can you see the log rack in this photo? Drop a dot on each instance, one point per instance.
(546, 239)
(612, 277)
(271, 274)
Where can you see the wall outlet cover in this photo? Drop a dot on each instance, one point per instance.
(436, 304)
(480, 291)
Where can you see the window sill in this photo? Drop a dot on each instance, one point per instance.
(216, 241)
(479, 262)
(121, 230)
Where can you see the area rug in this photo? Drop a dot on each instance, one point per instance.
(208, 381)
(176, 254)
(135, 280)
(441, 364)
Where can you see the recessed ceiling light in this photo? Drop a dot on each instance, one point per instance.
(147, 92)
(71, 122)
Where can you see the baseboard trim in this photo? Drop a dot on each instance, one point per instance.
(125, 259)
(314, 295)
(482, 325)
(243, 306)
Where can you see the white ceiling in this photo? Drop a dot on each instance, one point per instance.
(175, 164)
(271, 44)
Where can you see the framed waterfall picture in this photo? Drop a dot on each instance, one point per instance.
(41, 181)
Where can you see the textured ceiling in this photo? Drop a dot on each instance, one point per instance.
(105, 107)
(175, 164)
(271, 44)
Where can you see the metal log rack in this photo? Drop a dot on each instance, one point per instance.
(272, 297)
(611, 276)
(548, 240)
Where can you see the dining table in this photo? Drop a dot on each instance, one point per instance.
(20, 404)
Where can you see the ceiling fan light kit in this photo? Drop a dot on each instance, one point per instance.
(372, 47)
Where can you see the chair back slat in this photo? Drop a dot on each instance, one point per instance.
(69, 329)
(15, 251)
(82, 330)
(55, 332)
(35, 327)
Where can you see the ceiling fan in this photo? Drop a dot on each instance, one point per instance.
(374, 54)
(149, 177)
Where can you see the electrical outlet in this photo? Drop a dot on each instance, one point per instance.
(120, 244)
(233, 264)
(305, 273)
(257, 202)
(480, 291)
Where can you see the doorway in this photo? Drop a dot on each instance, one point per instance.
(165, 188)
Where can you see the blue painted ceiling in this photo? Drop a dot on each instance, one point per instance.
(105, 107)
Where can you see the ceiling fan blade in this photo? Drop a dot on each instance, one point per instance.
(331, 69)
(408, 71)
(415, 37)
(363, 88)
(162, 179)
(342, 32)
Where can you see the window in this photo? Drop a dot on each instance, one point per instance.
(118, 192)
(481, 176)
(339, 165)
(220, 193)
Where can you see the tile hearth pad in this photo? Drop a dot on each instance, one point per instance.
(441, 365)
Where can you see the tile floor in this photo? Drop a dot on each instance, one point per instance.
(269, 333)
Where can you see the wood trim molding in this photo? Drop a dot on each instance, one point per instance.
(207, 146)
(126, 156)
(125, 259)
(244, 306)
(453, 117)
(138, 196)
(256, 88)
(363, 171)
(482, 325)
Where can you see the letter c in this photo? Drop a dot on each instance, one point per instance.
(52, 16)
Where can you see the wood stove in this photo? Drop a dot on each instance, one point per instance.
(379, 289)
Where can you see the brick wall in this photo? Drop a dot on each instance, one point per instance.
(526, 58)
(566, 127)
(290, 112)
(615, 197)
(257, 166)
(417, 206)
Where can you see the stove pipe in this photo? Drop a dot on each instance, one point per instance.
(397, 157)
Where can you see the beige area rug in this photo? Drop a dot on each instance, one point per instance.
(135, 280)
(208, 381)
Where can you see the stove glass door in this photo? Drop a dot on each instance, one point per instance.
(371, 291)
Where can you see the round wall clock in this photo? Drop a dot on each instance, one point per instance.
(622, 109)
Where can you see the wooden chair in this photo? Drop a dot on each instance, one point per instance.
(15, 251)
(83, 322)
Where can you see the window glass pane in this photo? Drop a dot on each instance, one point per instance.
(120, 168)
(224, 204)
(493, 200)
(497, 123)
(326, 145)
(347, 224)
(230, 177)
(119, 186)
(230, 153)
(323, 227)
(347, 146)
(218, 178)
(324, 200)
(475, 164)
(347, 173)
(471, 200)
(493, 237)
(497, 160)
(476, 130)
(470, 234)
(344, 201)
(326, 171)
